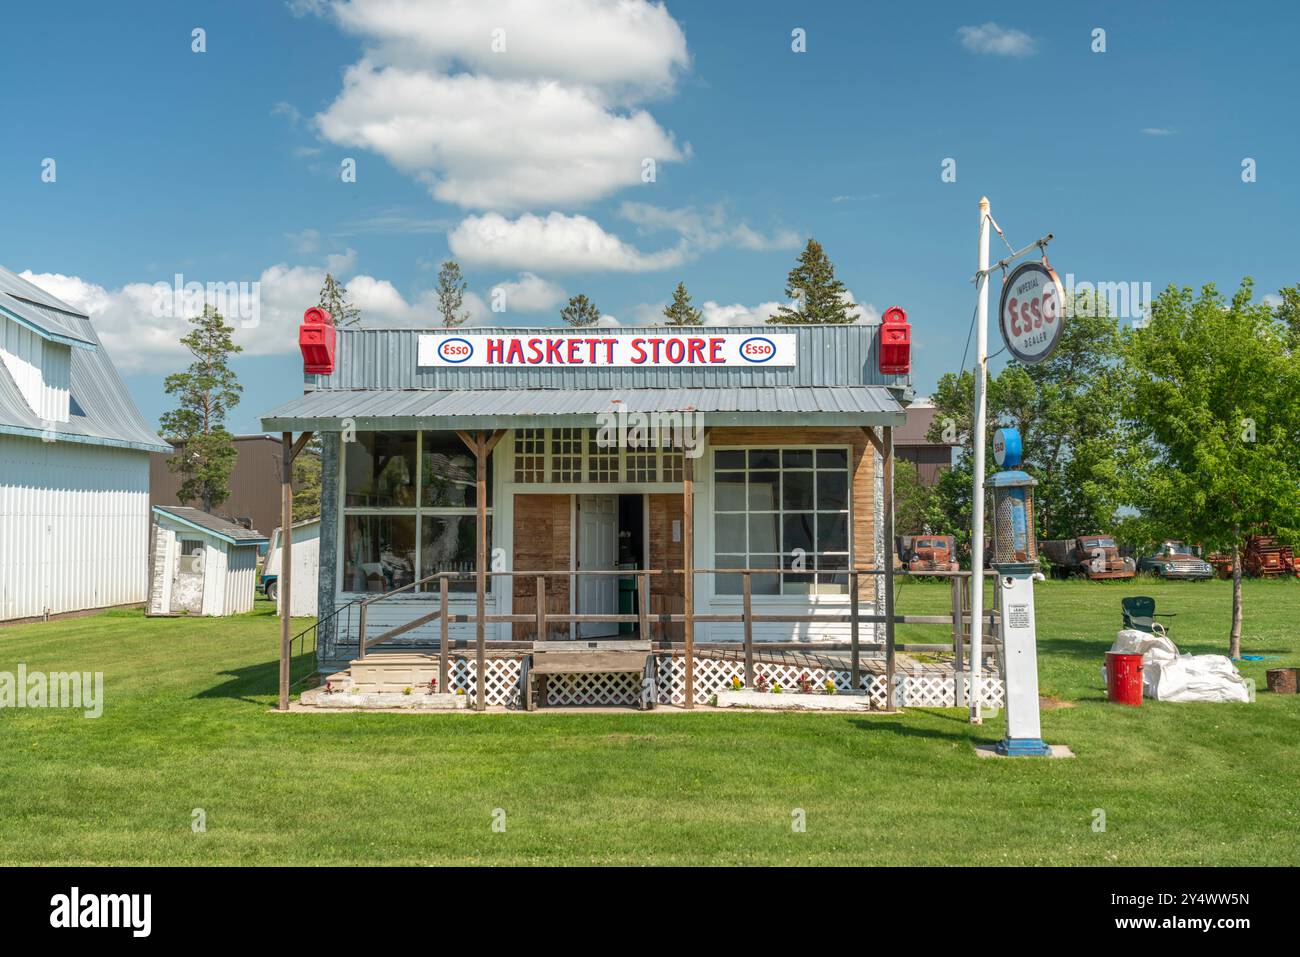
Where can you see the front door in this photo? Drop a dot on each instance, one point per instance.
(597, 549)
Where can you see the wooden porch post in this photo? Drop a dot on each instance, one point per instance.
(481, 444)
(888, 465)
(289, 450)
(688, 569)
(480, 574)
(284, 584)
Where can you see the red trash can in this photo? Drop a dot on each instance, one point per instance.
(1124, 677)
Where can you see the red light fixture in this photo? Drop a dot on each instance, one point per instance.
(316, 340)
(895, 342)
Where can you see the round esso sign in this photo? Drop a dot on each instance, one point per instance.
(455, 350)
(1031, 313)
(757, 349)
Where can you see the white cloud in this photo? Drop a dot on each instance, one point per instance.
(549, 121)
(306, 241)
(706, 229)
(556, 243)
(628, 44)
(530, 293)
(140, 340)
(997, 41)
(738, 314)
(1158, 131)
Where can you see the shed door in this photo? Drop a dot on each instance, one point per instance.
(597, 549)
(187, 586)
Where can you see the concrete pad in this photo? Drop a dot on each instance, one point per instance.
(990, 751)
(788, 701)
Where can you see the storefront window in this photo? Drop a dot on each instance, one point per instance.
(785, 509)
(391, 535)
(381, 470)
(378, 552)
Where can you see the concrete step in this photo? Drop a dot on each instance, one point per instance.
(392, 672)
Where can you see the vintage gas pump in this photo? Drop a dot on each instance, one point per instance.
(1015, 559)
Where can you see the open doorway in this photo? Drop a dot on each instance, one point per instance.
(610, 537)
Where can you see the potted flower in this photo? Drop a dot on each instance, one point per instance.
(736, 683)
(433, 686)
(805, 684)
(829, 687)
(761, 684)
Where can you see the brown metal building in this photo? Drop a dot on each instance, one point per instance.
(254, 483)
(911, 444)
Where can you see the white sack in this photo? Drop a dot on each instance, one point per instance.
(1170, 676)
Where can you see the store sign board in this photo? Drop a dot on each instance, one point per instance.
(607, 351)
(1031, 313)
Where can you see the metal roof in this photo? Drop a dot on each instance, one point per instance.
(368, 409)
(102, 412)
(207, 522)
(31, 306)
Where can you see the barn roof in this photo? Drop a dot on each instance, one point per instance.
(102, 411)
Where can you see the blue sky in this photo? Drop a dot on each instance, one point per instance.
(225, 165)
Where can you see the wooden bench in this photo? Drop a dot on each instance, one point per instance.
(590, 657)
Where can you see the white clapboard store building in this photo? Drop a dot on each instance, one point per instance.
(74, 463)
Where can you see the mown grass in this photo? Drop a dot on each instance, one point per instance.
(187, 726)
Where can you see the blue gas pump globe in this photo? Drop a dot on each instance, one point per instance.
(1006, 447)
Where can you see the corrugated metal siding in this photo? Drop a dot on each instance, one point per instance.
(74, 526)
(827, 356)
(241, 579)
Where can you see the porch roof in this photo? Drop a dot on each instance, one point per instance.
(369, 409)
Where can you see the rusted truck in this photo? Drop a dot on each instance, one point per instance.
(927, 553)
(1092, 556)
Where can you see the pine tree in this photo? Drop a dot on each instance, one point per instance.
(334, 300)
(451, 294)
(680, 312)
(206, 392)
(580, 311)
(819, 296)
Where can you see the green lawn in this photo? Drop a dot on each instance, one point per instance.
(187, 725)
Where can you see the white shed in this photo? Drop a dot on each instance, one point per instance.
(306, 568)
(201, 564)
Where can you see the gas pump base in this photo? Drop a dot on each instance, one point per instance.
(1023, 748)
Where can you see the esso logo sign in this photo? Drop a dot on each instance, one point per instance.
(1032, 312)
(455, 350)
(757, 349)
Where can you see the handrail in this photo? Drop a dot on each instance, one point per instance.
(314, 631)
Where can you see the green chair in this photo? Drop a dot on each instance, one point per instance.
(1140, 613)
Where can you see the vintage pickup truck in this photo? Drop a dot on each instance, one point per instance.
(1093, 556)
(927, 553)
(1175, 560)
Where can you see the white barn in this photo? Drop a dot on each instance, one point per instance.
(202, 564)
(74, 463)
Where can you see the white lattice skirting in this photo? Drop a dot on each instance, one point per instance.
(927, 689)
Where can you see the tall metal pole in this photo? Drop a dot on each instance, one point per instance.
(284, 584)
(977, 484)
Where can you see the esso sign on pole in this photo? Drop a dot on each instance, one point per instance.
(1031, 313)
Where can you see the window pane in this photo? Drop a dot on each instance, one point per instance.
(729, 488)
(837, 581)
(765, 584)
(381, 469)
(449, 473)
(530, 455)
(798, 533)
(378, 552)
(602, 456)
(734, 459)
(764, 532)
(798, 578)
(832, 458)
(763, 491)
(449, 545)
(764, 459)
(729, 533)
(797, 491)
(566, 455)
(832, 532)
(832, 491)
(730, 584)
(797, 458)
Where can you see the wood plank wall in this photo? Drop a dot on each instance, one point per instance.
(542, 543)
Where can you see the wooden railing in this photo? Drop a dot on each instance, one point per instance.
(644, 619)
